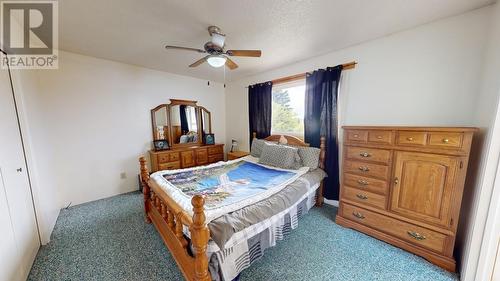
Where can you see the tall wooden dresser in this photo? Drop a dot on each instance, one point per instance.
(404, 185)
(185, 157)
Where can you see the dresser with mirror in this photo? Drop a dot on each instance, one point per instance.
(179, 129)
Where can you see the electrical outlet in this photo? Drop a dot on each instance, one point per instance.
(123, 175)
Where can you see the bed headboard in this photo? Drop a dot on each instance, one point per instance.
(291, 140)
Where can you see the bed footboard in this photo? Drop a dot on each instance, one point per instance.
(169, 219)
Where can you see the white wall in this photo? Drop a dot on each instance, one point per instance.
(90, 121)
(424, 76)
(483, 164)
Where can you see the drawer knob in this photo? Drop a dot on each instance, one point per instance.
(365, 154)
(358, 215)
(416, 235)
(379, 137)
(446, 140)
(396, 180)
(364, 169)
(409, 139)
(362, 182)
(361, 196)
(356, 135)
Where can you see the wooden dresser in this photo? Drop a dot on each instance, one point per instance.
(185, 157)
(404, 185)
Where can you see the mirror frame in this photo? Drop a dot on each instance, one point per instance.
(167, 119)
(174, 102)
(209, 118)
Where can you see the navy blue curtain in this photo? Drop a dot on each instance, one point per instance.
(184, 120)
(320, 119)
(259, 109)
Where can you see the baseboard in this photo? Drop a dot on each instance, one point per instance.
(334, 203)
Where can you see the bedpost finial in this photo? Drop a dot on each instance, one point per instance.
(254, 134)
(198, 201)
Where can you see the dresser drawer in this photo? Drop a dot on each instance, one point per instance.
(366, 169)
(169, 166)
(446, 139)
(416, 235)
(411, 138)
(363, 197)
(373, 185)
(215, 150)
(356, 135)
(168, 157)
(382, 137)
(369, 154)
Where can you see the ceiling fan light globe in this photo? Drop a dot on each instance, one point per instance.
(216, 61)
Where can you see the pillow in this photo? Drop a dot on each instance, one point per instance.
(278, 156)
(309, 156)
(257, 145)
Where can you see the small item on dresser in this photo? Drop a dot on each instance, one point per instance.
(161, 145)
(209, 139)
(234, 144)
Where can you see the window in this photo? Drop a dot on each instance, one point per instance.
(288, 109)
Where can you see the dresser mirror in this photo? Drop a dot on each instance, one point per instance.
(181, 123)
(159, 120)
(184, 121)
(206, 122)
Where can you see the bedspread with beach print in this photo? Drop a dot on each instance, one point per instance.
(226, 186)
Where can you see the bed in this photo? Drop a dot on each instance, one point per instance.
(209, 235)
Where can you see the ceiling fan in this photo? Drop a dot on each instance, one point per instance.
(217, 56)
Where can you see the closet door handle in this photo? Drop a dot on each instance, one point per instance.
(20, 170)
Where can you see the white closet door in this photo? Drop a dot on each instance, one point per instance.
(16, 193)
(8, 266)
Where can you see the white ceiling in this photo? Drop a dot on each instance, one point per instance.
(135, 31)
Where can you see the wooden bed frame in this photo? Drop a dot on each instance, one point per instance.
(169, 218)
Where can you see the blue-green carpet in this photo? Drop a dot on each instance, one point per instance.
(109, 240)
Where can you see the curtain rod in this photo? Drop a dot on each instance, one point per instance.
(349, 65)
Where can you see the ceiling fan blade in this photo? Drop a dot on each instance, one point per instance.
(198, 62)
(244, 53)
(185, 48)
(231, 64)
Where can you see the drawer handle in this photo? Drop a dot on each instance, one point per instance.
(409, 139)
(365, 154)
(379, 137)
(361, 196)
(362, 182)
(445, 140)
(358, 215)
(364, 169)
(416, 235)
(356, 135)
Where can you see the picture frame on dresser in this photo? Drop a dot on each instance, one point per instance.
(208, 139)
(160, 145)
